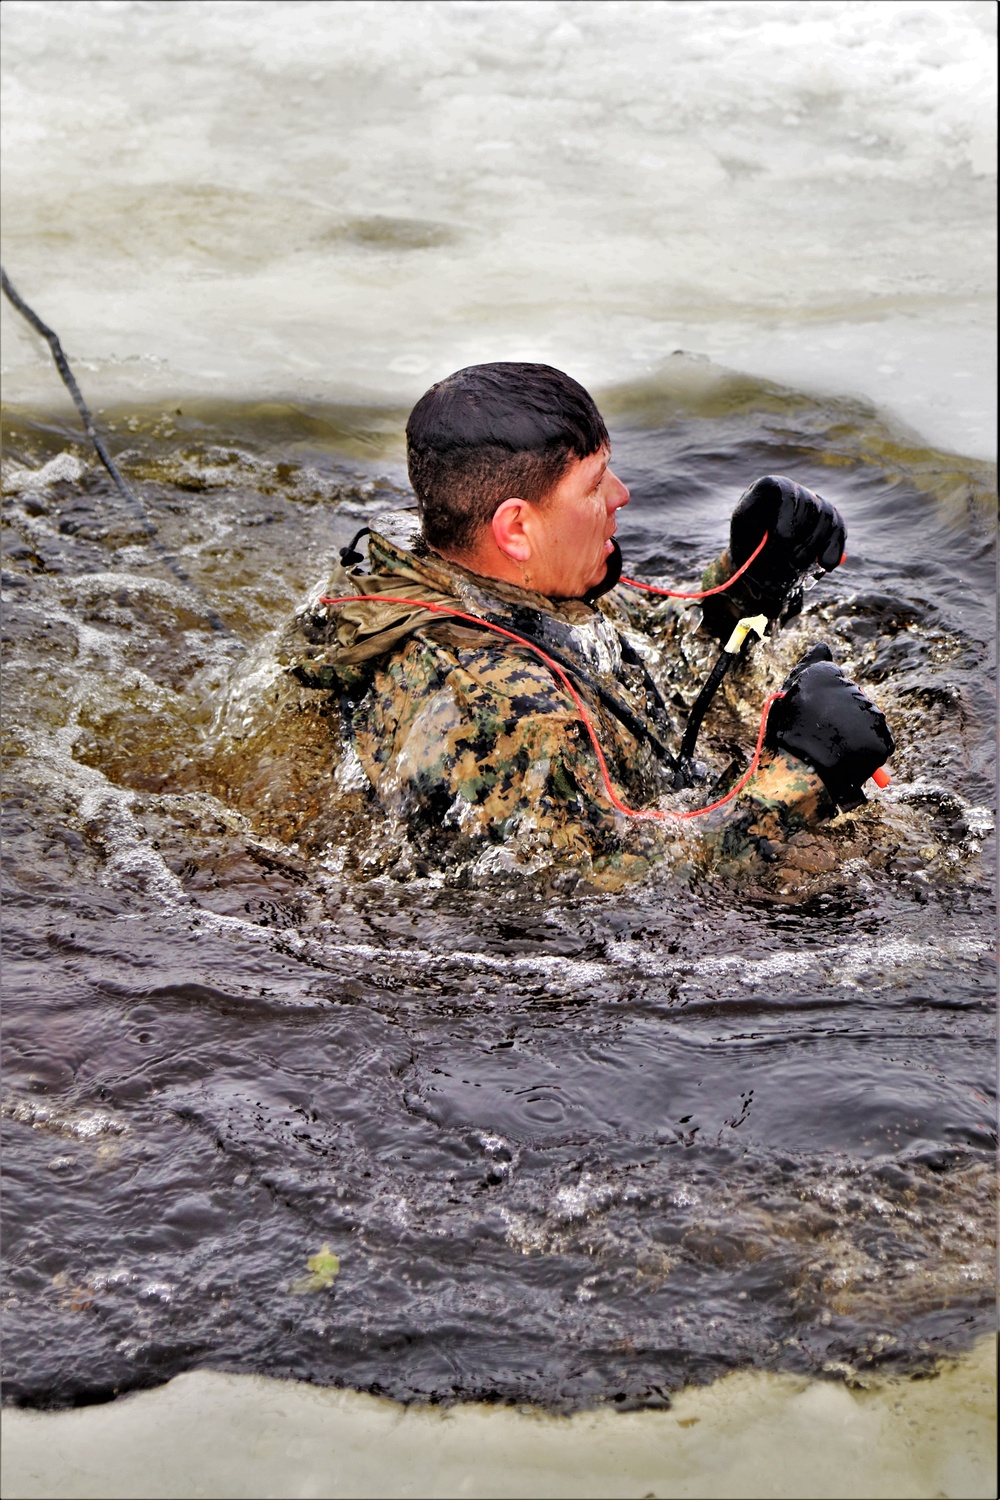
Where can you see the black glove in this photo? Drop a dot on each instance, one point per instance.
(826, 721)
(804, 532)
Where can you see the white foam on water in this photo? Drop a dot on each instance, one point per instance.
(341, 200)
(65, 466)
(85, 1125)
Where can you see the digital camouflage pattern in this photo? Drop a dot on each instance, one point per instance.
(467, 737)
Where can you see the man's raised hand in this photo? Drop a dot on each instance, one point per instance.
(805, 532)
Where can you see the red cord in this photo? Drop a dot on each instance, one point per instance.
(554, 667)
(720, 588)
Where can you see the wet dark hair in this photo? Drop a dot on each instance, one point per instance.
(491, 431)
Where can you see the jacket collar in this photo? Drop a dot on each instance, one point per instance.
(404, 567)
(397, 549)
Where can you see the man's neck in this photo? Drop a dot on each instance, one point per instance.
(487, 561)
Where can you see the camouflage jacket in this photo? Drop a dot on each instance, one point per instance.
(474, 742)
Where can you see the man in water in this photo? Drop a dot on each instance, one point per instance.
(471, 738)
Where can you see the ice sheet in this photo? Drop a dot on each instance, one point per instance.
(349, 200)
(211, 1434)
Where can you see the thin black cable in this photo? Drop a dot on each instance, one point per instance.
(131, 499)
(699, 709)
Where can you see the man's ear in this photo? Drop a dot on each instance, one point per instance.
(511, 525)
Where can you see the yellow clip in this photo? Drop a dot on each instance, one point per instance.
(755, 623)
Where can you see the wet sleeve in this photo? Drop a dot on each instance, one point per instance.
(785, 798)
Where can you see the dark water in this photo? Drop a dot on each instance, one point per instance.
(569, 1147)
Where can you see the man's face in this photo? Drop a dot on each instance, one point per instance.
(572, 529)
